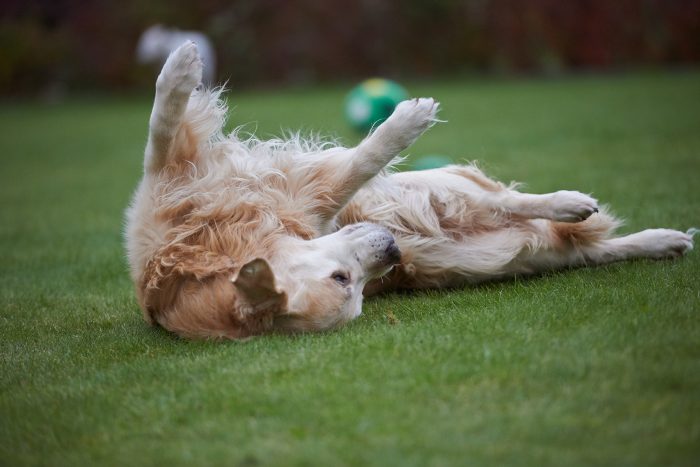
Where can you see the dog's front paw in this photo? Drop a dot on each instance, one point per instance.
(571, 206)
(182, 71)
(412, 117)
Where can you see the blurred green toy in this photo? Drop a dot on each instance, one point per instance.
(372, 101)
(432, 161)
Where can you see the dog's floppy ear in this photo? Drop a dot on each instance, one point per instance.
(256, 283)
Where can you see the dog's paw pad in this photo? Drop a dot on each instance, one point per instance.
(412, 117)
(572, 206)
(420, 110)
(182, 71)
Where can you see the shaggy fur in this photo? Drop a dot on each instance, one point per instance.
(229, 237)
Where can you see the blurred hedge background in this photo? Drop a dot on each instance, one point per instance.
(71, 44)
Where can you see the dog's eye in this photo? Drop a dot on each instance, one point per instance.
(341, 278)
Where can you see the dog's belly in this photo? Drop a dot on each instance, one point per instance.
(446, 236)
(438, 203)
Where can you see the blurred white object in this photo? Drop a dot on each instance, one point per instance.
(157, 42)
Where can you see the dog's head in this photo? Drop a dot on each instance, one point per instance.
(324, 277)
(303, 285)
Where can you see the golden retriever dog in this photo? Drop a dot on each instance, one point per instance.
(230, 238)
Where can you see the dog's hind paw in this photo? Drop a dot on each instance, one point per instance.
(571, 206)
(182, 71)
(665, 243)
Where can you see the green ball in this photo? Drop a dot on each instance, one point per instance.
(432, 161)
(372, 101)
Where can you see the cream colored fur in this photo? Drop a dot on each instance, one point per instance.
(230, 237)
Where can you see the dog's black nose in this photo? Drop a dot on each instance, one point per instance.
(393, 254)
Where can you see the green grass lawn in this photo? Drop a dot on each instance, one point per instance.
(585, 367)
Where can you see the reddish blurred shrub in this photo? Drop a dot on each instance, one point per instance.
(82, 44)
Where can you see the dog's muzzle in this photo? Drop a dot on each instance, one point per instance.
(376, 242)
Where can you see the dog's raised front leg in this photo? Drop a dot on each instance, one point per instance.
(181, 73)
(409, 120)
(349, 169)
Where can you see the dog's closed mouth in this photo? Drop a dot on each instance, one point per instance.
(393, 254)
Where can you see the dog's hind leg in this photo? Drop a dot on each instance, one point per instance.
(650, 243)
(561, 206)
(591, 243)
(167, 138)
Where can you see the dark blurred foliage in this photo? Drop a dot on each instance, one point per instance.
(90, 44)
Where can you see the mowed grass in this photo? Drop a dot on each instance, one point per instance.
(583, 367)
